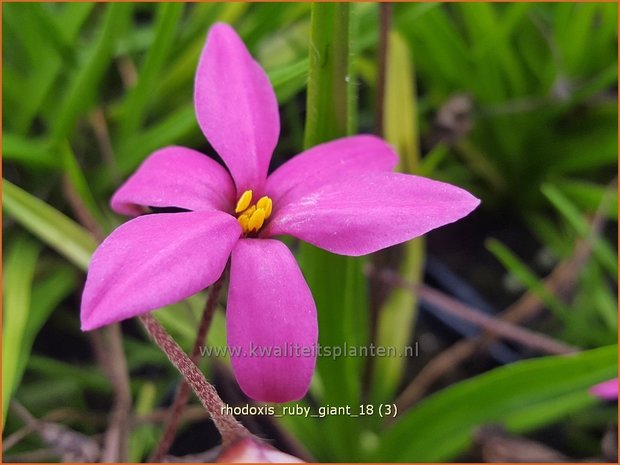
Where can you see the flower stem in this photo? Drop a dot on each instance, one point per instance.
(182, 394)
(230, 429)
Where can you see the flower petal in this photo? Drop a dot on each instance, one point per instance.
(253, 450)
(271, 319)
(153, 261)
(236, 107)
(369, 212)
(607, 390)
(328, 163)
(175, 177)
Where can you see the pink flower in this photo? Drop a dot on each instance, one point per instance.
(251, 450)
(341, 196)
(607, 390)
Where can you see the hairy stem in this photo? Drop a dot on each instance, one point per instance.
(230, 429)
(183, 391)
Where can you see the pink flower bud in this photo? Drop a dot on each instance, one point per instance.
(251, 450)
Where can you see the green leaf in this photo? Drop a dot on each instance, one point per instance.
(75, 14)
(396, 318)
(136, 104)
(17, 288)
(326, 106)
(86, 82)
(601, 249)
(28, 151)
(588, 196)
(521, 271)
(337, 283)
(79, 183)
(47, 293)
(400, 120)
(48, 224)
(522, 396)
(143, 437)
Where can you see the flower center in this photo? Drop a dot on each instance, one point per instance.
(252, 216)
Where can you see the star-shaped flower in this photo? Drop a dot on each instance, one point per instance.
(341, 196)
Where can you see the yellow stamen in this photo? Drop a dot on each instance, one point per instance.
(252, 217)
(266, 204)
(249, 211)
(243, 221)
(244, 201)
(256, 220)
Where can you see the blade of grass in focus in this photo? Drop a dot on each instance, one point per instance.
(521, 396)
(337, 282)
(17, 291)
(48, 224)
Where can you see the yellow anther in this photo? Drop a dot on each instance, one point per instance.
(256, 220)
(266, 204)
(244, 201)
(243, 221)
(252, 217)
(249, 211)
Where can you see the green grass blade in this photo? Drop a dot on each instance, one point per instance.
(337, 283)
(86, 82)
(136, 106)
(79, 183)
(326, 106)
(588, 196)
(602, 249)
(396, 319)
(18, 275)
(47, 293)
(521, 271)
(522, 396)
(28, 151)
(143, 437)
(48, 224)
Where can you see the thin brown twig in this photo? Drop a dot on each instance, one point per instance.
(228, 426)
(81, 211)
(183, 391)
(489, 323)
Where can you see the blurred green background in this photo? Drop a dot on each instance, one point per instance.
(515, 102)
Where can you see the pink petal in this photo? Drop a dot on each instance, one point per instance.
(328, 163)
(236, 107)
(270, 309)
(251, 450)
(370, 211)
(176, 177)
(153, 261)
(607, 390)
